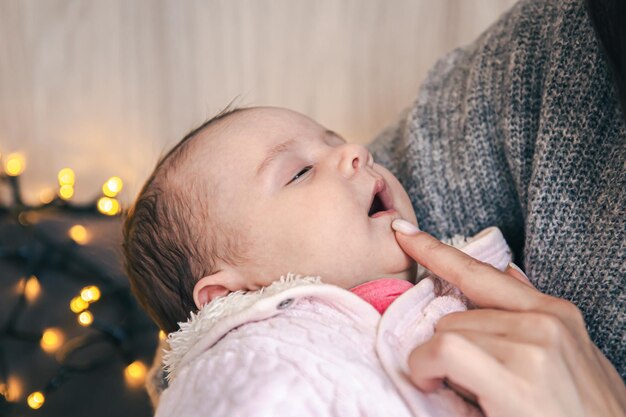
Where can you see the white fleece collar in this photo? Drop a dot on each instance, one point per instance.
(181, 341)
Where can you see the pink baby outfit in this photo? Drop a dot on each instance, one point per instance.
(303, 348)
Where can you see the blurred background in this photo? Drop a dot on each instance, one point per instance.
(92, 92)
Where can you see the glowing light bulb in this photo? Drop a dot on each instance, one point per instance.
(135, 373)
(12, 389)
(85, 318)
(112, 187)
(108, 206)
(78, 305)
(14, 165)
(46, 195)
(66, 192)
(66, 176)
(78, 233)
(36, 400)
(32, 288)
(162, 335)
(90, 294)
(51, 340)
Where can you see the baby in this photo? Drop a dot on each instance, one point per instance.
(240, 201)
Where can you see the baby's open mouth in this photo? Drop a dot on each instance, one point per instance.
(381, 200)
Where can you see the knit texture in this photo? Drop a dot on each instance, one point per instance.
(522, 130)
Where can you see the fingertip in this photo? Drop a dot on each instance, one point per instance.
(404, 227)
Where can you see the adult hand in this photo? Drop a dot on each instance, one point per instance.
(523, 353)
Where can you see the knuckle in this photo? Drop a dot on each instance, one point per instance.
(574, 313)
(537, 359)
(571, 315)
(549, 327)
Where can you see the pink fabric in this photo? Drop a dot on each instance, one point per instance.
(380, 293)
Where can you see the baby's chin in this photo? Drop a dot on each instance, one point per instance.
(405, 270)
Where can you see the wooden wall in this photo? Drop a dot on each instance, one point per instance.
(105, 86)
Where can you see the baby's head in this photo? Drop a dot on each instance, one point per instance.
(251, 195)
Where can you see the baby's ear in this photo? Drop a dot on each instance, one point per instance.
(215, 285)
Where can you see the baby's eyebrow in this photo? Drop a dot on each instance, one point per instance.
(284, 147)
(273, 153)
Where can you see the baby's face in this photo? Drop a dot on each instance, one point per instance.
(302, 199)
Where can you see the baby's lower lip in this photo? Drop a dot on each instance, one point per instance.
(383, 213)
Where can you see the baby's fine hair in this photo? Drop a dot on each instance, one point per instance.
(170, 240)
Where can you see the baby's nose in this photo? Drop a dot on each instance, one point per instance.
(353, 159)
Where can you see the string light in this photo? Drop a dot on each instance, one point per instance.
(135, 373)
(78, 305)
(90, 294)
(46, 196)
(27, 218)
(112, 186)
(14, 165)
(31, 288)
(36, 400)
(108, 206)
(78, 233)
(162, 335)
(85, 318)
(66, 192)
(66, 176)
(51, 340)
(12, 389)
(66, 179)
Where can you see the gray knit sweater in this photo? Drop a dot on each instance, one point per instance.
(522, 129)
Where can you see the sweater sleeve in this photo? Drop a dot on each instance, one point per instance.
(522, 130)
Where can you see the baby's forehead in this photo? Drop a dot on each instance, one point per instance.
(247, 135)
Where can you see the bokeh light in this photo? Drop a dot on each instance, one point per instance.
(135, 373)
(12, 389)
(66, 176)
(108, 206)
(36, 400)
(66, 192)
(79, 234)
(78, 305)
(46, 195)
(85, 318)
(32, 288)
(112, 186)
(51, 340)
(14, 164)
(90, 294)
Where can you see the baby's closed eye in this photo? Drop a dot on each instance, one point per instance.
(300, 174)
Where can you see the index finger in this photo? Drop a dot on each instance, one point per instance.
(480, 282)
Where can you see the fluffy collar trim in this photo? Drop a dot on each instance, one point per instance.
(190, 333)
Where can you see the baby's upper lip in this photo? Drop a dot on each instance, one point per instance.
(380, 188)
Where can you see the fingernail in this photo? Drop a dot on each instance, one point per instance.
(517, 268)
(404, 227)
